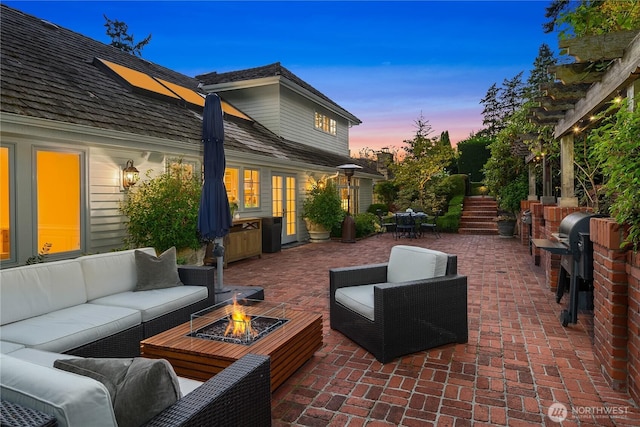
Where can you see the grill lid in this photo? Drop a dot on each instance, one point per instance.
(571, 226)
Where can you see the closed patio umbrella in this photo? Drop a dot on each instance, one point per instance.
(214, 216)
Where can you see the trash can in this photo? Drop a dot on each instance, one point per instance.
(272, 234)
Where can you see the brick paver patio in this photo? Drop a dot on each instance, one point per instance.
(518, 362)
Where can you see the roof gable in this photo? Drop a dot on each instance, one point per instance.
(272, 70)
(48, 72)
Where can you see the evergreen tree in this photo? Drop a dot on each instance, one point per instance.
(540, 73)
(511, 96)
(491, 115)
(120, 38)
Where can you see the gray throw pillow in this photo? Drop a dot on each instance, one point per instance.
(140, 388)
(157, 272)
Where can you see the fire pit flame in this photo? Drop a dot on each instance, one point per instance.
(239, 325)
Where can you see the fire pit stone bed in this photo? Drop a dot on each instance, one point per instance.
(241, 324)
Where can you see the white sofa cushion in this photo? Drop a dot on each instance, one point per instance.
(72, 327)
(110, 273)
(157, 302)
(74, 400)
(408, 263)
(33, 290)
(47, 358)
(358, 299)
(7, 347)
(40, 357)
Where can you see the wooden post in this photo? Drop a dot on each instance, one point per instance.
(568, 198)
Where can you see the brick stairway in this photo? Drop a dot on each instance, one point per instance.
(479, 216)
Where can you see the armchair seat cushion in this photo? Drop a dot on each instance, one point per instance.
(358, 299)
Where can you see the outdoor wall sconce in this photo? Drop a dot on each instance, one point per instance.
(130, 175)
(348, 224)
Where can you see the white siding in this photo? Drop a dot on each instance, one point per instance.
(261, 103)
(365, 194)
(297, 117)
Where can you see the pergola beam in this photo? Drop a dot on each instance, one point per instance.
(600, 47)
(619, 75)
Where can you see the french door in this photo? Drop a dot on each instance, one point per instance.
(284, 205)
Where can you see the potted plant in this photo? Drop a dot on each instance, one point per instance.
(163, 212)
(509, 198)
(321, 210)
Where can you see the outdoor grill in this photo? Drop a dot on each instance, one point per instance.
(577, 262)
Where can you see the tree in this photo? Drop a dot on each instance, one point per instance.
(425, 162)
(491, 116)
(387, 192)
(591, 17)
(540, 73)
(511, 96)
(473, 153)
(120, 38)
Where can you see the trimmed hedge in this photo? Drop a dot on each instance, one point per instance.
(450, 221)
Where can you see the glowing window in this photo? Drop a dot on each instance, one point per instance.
(58, 181)
(231, 183)
(325, 124)
(251, 188)
(5, 202)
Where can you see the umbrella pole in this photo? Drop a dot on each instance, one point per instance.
(219, 288)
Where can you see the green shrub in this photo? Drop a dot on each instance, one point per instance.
(323, 205)
(365, 224)
(457, 184)
(513, 193)
(450, 221)
(163, 212)
(375, 206)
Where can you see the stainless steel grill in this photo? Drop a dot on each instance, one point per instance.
(576, 263)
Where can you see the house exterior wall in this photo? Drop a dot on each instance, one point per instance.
(297, 118)
(365, 194)
(261, 103)
(105, 154)
(104, 157)
(290, 115)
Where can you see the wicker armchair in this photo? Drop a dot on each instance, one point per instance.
(240, 395)
(391, 317)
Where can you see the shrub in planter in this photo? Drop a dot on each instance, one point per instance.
(323, 206)
(163, 212)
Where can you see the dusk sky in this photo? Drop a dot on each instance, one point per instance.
(385, 62)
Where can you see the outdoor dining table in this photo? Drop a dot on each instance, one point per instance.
(415, 231)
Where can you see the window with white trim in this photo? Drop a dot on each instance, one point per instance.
(325, 123)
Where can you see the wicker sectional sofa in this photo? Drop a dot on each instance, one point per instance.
(240, 395)
(88, 307)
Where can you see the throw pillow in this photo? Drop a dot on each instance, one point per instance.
(140, 388)
(156, 272)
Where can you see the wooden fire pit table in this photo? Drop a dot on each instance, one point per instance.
(289, 346)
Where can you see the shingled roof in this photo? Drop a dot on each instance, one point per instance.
(271, 70)
(50, 72)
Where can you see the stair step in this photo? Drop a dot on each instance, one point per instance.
(478, 218)
(491, 225)
(475, 212)
(483, 231)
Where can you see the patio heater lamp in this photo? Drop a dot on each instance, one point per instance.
(348, 224)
